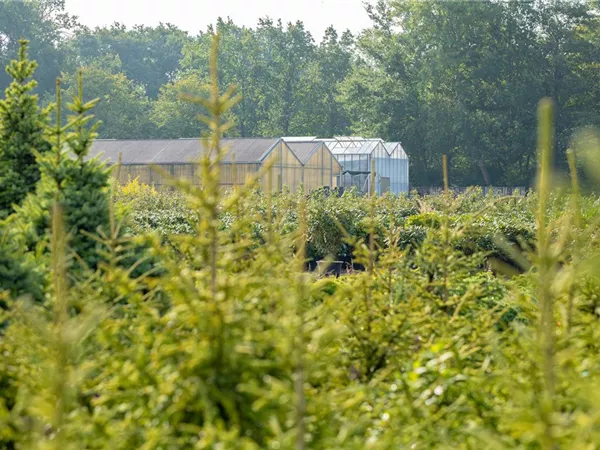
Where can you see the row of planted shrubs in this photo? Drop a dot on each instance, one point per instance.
(332, 220)
(494, 226)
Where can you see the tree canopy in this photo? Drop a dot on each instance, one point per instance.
(455, 78)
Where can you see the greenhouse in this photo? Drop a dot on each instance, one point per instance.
(320, 167)
(399, 167)
(296, 161)
(154, 162)
(356, 155)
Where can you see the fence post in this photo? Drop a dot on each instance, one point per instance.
(445, 167)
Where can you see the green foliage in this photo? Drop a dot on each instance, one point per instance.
(123, 108)
(232, 343)
(78, 184)
(45, 24)
(150, 56)
(455, 78)
(173, 116)
(503, 223)
(463, 78)
(22, 134)
(19, 273)
(165, 212)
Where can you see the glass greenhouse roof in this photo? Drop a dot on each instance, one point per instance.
(179, 151)
(396, 150)
(303, 150)
(354, 146)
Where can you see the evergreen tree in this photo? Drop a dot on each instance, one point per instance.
(19, 275)
(78, 184)
(22, 134)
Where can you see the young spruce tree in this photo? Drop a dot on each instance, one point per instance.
(22, 134)
(78, 184)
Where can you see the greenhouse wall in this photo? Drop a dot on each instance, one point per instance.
(286, 170)
(237, 174)
(356, 155)
(355, 171)
(322, 169)
(285, 173)
(159, 175)
(399, 183)
(162, 175)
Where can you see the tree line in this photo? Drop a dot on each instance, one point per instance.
(455, 78)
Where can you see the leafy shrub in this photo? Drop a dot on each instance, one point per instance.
(149, 209)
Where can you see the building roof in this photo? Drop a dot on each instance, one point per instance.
(179, 151)
(356, 147)
(299, 138)
(396, 150)
(303, 150)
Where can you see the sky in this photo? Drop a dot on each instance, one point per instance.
(196, 15)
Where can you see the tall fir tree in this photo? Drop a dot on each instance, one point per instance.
(78, 184)
(22, 134)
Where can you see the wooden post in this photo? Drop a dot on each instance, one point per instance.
(118, 168)
(234, 173)
(372, 190)
(445, 168)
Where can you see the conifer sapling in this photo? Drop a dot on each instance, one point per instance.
(22, 134)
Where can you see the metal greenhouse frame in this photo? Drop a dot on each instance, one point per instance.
(356, 156)
(320, 167)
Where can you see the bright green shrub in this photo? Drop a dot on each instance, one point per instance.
(213, 369)
(428, 219)
(149, 209)
(511, 219)
(327, 217)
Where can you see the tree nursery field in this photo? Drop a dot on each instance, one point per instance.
(134, 318)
